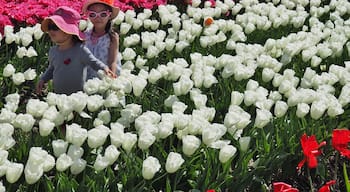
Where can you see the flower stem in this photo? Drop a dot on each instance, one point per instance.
(310, 180)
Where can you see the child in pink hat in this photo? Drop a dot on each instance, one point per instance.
(69, 58)
(102, 40)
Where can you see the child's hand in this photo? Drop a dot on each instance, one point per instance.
(110, 73)
(39, 87)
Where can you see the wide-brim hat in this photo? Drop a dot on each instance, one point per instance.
(110, 3)
(67, 19)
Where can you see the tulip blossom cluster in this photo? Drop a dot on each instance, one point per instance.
(263, 81)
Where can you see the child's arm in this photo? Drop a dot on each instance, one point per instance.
(89, 59)
(45, 77)
(113, 52)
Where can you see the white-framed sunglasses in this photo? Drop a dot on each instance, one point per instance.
(102, 14)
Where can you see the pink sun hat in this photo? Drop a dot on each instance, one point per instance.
(67, 19)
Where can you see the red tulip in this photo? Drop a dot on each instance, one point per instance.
(340, 140)
(283, 187)
(325, 188)
(310, 150)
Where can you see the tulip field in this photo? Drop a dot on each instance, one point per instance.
(218, 96)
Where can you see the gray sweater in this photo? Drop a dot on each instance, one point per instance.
(68, 68)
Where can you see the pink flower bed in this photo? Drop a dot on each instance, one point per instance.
(30, 12)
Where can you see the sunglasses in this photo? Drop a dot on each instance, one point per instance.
(102, 14)
(52, 27)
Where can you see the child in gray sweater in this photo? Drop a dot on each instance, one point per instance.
(69, 58)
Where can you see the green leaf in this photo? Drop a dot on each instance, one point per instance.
(346, 178)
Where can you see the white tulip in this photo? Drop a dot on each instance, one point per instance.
(344, 97)
(29, 74)
(335, 109)
(315, 61)
(101, 163)
(76, 134)
(77, 166)
(317, 109)
(281, 108)
(64, 105)
(45, 127)
(129, 54)
(137, 24)
(53, 115)
(94, 102)
(262, 118)
(26, 39)
(2, 187)
(63, 162)
(183, 86)
(125, 28)
(173, 162)
(92, 86)
(3, 156)
(18, 78)
(154, 76)
(105, 116)
(213, 133)
(267, 74)
(112, 100)
(97, 136)
(75, 152)
(150, 166)
(117, 134)
(33, 172)
(244, 143)
(146, 139)
(9, 70)
(49, 163)
(14, 172)
(3, 167)
(129, 141)
(190, 144)
(138, 85)
(111, 154)
(10, 38)
(36, 108)
(21, 52)
(120, 18)
(59, 147)
(24, 121)
(302, 110)
(226, 153)
(169, 44)
(181, 45)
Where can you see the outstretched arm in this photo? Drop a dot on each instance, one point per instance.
(113, 52)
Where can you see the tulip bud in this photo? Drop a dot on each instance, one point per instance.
(78, 166)
(226, 153)
(173, 162)
(190, 144)
(63, 162)
(150, 166)
(14, 172)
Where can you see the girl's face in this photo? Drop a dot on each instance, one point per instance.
(57, 35)
(99, 15)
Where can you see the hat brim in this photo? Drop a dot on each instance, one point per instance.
(115, 10)
(69, 28)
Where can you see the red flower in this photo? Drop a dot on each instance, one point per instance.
(67, 61)
(210, 190)
(283, 187)
(340, 140)
(325, 188)
(310, 150)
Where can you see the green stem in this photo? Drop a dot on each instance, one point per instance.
(346, 178)
(310, 180)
